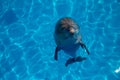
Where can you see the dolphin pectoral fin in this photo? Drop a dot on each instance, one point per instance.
(73, 60)
(56, 53)
(86, 49)
(84, 46)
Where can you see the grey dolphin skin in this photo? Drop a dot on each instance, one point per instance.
(68, 38)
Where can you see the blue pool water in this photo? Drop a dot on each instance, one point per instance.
(27, 44)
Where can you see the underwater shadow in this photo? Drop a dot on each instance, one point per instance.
(9, 17)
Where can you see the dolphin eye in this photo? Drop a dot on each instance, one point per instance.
(62, 28)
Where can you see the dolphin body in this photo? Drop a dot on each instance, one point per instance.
(68, 38)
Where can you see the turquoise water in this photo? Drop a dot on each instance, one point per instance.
(27, 44)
